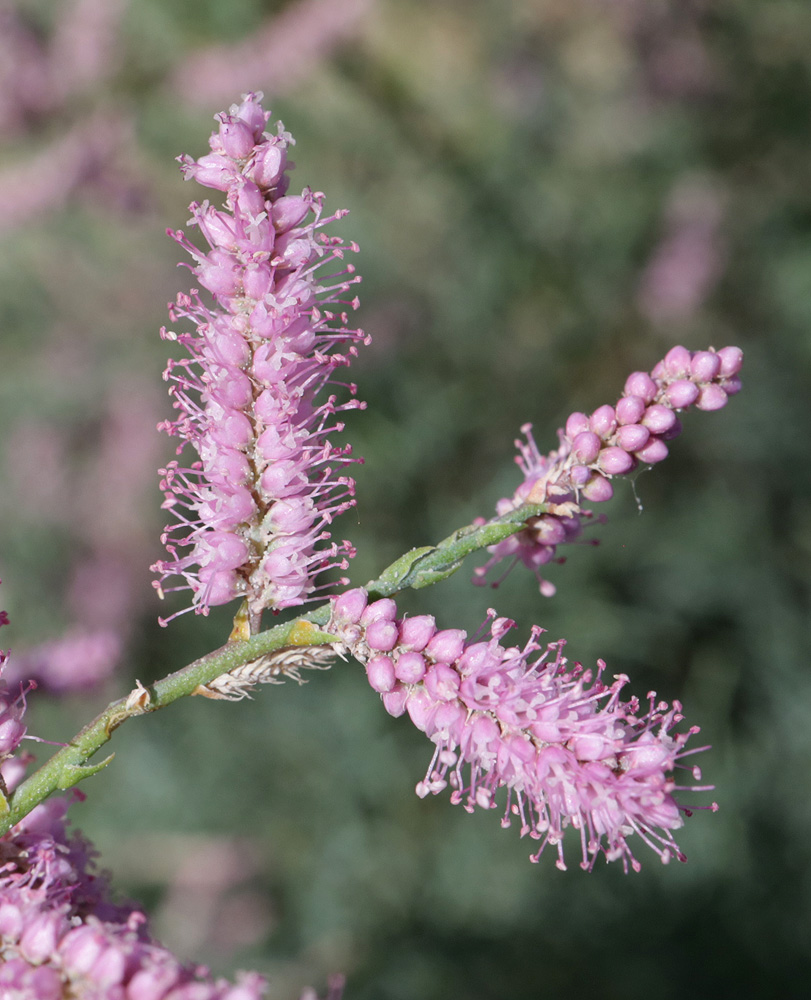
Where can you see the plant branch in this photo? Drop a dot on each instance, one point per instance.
(421, 567)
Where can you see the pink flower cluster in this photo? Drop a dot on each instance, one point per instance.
(253, 509)
(60, 935)
(569, 751)
(612, 441)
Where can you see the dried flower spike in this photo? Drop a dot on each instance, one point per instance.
(253, 509)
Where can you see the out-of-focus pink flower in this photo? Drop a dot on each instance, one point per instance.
(278, 55)
(254, 506)
(688, 261)
(569, 751)
(89, 155)
(612, 441)
(38, 75)
(76, 661)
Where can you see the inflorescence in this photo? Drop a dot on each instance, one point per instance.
(612, 441)
(570, 752)
(253, 510)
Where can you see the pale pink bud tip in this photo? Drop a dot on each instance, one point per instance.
(416, 633)
(350, 606)
(731, 360)
(682, 393)
(586, 447)
(381, 635)
(711, 397)
(642, 385)
(615, 462)
(576, 424)
(380, 672)
(630, 409)
(677, 361)
(603, 421)
(705, 366)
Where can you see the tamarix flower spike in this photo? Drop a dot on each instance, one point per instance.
(569, 751)
(253, 509)
(612, 441)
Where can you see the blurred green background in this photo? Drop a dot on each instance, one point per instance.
(547, 196)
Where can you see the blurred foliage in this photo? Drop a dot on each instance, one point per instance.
(517, 174)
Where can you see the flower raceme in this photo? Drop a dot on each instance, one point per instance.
(612, 441)
(569, 751)
(253, 509)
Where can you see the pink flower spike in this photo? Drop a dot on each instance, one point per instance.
(609, 443)
(255, 505)
(570, 752)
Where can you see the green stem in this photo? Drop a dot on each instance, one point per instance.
(418, 568)
(70, 765)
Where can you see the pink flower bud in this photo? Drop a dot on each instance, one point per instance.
(598, 489)
(548, 529)
(615, 462)
(677, 361)
(586, 447)
(711, 397)
(12, 731)
(576, 424)
(382, 635)
(658, 418)
(212, 170)
(731, 360)
(654, 451)
(410, 668)
(236, 136)
(257, 280)
(673, 432)
(380, 671)
(11, 921)
(705, 366)
(446, 645)
(252, 113)
(442, 682)
(80, 948)
(39, 938)
(632, 437)
(349, 606)
(642, 385)
(580, 475)
(630, 409)
(603, 421)
(268, 165)
(383, 609)
(682, 393)
(395, 701)
(219, 274)
(288, 212)
(732, 385)
(416, 633)
(421, 706)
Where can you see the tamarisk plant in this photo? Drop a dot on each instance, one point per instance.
(253, 493)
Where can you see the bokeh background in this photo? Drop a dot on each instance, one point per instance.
(547, 195)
